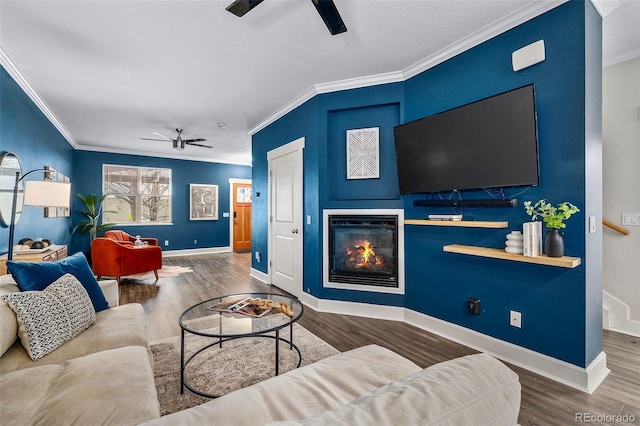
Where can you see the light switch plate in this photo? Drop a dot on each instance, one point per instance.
(631, 219)
(592, 224)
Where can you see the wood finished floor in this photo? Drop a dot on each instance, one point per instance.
(544, 402)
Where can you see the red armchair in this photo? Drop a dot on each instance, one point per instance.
(122, 236)
(110, 258)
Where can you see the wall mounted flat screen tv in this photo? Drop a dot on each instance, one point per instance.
(490, 143)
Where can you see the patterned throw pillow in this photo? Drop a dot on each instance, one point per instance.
(49, 318)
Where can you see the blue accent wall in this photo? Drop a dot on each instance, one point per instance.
(26, 132)
(181, 234)
(559, 317)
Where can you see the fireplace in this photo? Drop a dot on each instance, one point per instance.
(363, 250)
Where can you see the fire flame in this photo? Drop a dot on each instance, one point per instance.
(364, 254)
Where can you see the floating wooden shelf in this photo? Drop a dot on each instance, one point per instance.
(563, 262)
(461, 223)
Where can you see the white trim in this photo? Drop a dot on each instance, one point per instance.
(617, 316)
(584, 379)
(621, 58)
(231, 194)
(358, 82)
(13, 71)
(503, 25)
(259, 275)
(325, 250)
(285, 149)
(196, 251)
(605, 7)
(178, 156)
(297, 146)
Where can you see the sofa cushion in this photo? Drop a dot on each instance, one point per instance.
(38, 275)
(113, 387)
(47, 319)
(306, 391)
(8, 320)
(472, 390)
(114, 328)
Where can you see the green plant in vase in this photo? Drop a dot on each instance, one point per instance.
(93, 211)
(553, 218)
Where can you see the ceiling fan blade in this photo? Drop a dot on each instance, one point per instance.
(241, 7)
(198, 144)
(164, 136)
(194, 140)
(330, 15)
(161, 140)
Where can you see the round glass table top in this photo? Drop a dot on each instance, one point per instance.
(231, 316)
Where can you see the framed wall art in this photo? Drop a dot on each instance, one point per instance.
(363, 153)
(203, 201)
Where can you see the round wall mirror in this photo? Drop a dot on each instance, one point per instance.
(9, 165)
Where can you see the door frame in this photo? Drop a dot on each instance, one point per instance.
(293, 146)
(231, 194)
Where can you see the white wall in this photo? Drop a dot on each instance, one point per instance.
(621, 187)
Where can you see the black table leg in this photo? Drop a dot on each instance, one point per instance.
(182, 362)
(277, 350)
(291, 336)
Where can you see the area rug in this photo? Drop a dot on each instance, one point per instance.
(166, 272)
(239, 363)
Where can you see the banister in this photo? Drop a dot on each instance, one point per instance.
(615, 227)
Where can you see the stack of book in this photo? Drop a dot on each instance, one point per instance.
(532, 241)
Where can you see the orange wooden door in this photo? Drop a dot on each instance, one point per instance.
(242, 216)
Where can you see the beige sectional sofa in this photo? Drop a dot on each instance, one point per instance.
(102, 376)
(370, 385)
(105, 376)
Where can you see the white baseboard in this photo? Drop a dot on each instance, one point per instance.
(259, 275)
(617, 316)
(584, 379)
(188, 252)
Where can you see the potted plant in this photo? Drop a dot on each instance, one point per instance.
(93, 211)
(553, 218)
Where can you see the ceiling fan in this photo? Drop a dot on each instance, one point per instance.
(326, 8)
(178, 142)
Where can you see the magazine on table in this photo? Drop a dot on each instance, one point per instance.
(241, 306)
(253, 310)
(229, 305)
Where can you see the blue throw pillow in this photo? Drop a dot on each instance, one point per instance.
(38, 275)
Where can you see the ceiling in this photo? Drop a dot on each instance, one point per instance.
(108, 73)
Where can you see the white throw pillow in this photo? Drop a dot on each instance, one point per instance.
(49, 318)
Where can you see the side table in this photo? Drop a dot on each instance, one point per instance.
(55, 252)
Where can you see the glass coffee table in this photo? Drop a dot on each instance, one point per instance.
(203, 320)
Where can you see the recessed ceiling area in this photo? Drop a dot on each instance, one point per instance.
(112, 72)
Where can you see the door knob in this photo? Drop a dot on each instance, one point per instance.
(294, 231)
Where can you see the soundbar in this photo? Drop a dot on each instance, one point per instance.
(466, 203)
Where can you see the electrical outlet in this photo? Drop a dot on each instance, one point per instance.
(195, 241)
(515, 319)
(257, 256)
(166, 242)
(474, 306)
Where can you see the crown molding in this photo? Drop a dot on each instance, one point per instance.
(159, 155)
(13, 71)
(505, 24)
(487, 33)
(621, 58)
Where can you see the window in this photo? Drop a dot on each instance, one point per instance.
(137, 195)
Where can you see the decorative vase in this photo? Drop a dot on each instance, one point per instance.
(554, 243)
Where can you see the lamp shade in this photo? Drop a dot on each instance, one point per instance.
(45, 193)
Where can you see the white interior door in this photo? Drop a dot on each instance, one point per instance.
(285, 217)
